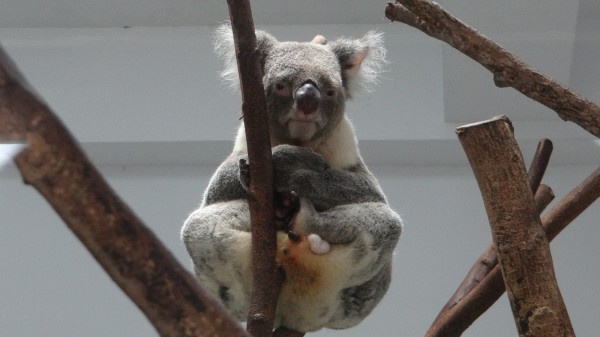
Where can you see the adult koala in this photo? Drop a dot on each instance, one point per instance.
(338, 260)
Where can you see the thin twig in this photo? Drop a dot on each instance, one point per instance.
(507, 69)
(129, 252)
(573, 204)
(539, 163)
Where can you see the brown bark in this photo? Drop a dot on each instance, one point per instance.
(266, 287)
(508, 70)
(543, 197)
(454, 319)
(521, 244)
(573, 204)
(539, 164)
(130, 253)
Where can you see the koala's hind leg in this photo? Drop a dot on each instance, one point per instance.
(217, 238)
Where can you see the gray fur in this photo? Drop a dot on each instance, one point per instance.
(315, 154)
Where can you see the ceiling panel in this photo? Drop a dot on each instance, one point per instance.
(119, 13)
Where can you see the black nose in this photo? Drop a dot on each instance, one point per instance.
(308, 98)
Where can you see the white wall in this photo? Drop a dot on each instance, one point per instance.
(147, 105)
(51, 286)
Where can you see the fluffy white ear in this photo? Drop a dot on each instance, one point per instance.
(362, 61)
(225, 48)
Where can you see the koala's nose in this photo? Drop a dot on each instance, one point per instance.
(308, 98)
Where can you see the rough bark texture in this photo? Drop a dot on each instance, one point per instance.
(521, 244)
(464, 307)
(260, 197)
(130, 253)
(507, 69)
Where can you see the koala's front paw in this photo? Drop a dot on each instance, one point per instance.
(287, 204)
(244, 173)
(289, 160)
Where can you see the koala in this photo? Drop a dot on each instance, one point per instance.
(337, 254)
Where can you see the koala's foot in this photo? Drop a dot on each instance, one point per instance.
(244, 174)
(318, 245)
(299, 245)
(287, 204)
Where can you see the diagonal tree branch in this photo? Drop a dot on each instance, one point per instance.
(130, 253)
(508, 70)
(519, 238)
(481, 287)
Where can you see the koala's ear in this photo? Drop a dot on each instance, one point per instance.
(225, 48)
(362, 60)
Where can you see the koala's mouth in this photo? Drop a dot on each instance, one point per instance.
(303, 129)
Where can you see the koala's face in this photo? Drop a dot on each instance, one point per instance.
(304, 91)
(307, 83)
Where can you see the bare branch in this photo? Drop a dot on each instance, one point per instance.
(521, 244)
(130, 253)
(539, 164)
(481, 287)
(453, 320)
(573, 204)
(467, 305)
(543, 197)
(266, 283)
(508, 70)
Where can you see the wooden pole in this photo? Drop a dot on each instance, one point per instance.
(521, 243)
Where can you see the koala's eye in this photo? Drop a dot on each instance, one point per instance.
(330, 93)
(280, 87)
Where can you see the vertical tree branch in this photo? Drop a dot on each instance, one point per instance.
(130, 253)
(267, 280)
(507, 69)
(521, 244)
(453, 319)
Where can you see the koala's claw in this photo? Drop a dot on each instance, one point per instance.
(244, 173)
(286, 207)
(293, 236)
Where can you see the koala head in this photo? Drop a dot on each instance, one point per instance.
(307, 83)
